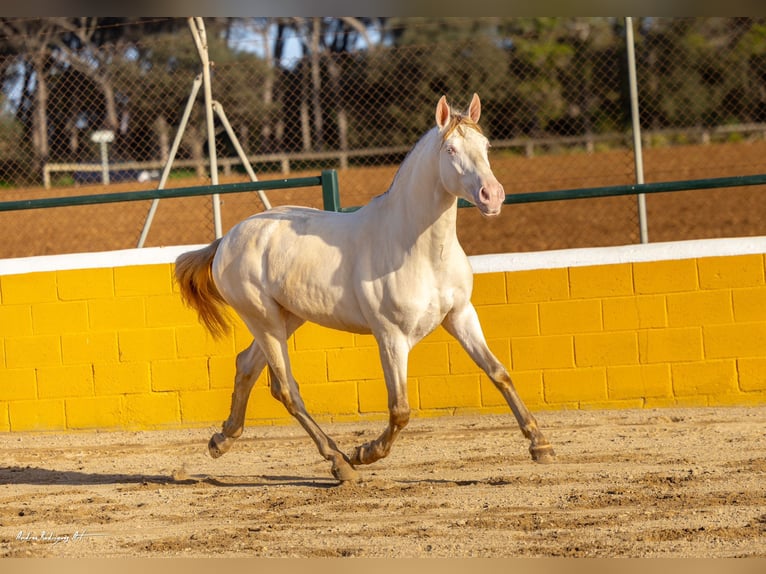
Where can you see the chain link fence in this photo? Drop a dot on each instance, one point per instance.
(555, 106)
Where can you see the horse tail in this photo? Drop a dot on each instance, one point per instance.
(194, 276)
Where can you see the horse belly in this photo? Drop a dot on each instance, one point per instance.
(276, 257)
(326, 307)
(316, 287)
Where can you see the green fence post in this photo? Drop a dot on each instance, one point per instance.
(330, 192)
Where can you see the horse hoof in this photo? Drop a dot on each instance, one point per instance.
(218, 445)
(345, 472)
(542, 454)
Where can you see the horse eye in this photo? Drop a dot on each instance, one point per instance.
(451, 150)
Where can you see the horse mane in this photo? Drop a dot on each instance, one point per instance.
(458, 121)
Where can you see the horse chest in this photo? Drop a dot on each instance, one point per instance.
(417, 308)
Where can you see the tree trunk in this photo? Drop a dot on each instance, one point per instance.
(112, 121)
(267, 130)
(343, 129)
(196, 141)
(342, 115)
(74, 138)
(316, 85)
(244, 138)
(304, 108)
(305, 126)
(163, 137)
(40, 116)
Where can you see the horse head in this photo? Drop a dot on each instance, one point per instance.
(463, 162)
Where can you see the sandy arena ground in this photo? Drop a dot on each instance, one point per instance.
(655, 483)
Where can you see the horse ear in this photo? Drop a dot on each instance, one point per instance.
(442, 112)
(474, 110)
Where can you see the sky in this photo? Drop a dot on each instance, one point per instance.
(244, 38)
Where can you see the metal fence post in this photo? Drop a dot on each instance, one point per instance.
(171, 158)
(330, 191)
(197, 25)
(637, 149)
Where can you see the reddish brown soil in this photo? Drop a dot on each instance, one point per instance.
(530, 227)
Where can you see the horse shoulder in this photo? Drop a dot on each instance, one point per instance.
(456, 281)
(455, 268)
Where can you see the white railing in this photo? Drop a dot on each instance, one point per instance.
(527, 144)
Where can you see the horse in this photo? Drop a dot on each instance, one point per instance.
(393, 268)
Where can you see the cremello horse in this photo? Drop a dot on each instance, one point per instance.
(394, 268)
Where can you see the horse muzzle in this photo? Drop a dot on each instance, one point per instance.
(489, 199)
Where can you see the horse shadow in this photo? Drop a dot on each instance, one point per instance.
(39, 476)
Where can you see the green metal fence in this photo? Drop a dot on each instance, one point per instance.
(328, 182)
(612, 190)
(635, 189)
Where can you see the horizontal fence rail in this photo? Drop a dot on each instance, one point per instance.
(614, 190)
(328, 181)
(634, 189)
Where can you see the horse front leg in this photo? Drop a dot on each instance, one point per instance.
(393, 356)
(463, 324)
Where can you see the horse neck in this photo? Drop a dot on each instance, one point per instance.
(425, 211)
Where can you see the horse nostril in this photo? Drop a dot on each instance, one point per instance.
(484, 195)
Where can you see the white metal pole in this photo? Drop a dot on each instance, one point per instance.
(104, 163)
(171, 157)
(637, 149)
(218, 108)
(200, 39)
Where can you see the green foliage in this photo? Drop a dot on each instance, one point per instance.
(538, 77)
(702, 71)
(11, 132)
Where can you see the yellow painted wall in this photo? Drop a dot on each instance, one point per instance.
(115, 348)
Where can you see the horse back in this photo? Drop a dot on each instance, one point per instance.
(300, 258)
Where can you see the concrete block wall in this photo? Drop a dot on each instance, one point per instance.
(111, 347)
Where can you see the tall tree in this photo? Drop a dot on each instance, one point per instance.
(323, 42)
(31, 39)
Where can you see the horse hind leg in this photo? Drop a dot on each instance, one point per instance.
(250, 363)
(285, 389)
